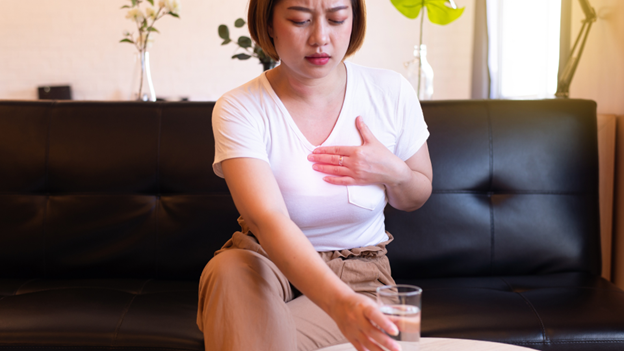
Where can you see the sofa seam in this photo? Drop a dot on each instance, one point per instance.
(545, 338)
(490, 192)
(125, 312)
(3, 347)
(510, 192)
(157, 257)
(22, 285)
(46, 185)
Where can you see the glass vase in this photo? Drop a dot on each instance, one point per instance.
(420, 73)
(142, 87)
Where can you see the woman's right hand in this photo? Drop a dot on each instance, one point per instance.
(357, 317)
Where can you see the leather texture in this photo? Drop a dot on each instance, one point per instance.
(110, 210)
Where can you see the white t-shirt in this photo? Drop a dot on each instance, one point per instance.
(251, 121)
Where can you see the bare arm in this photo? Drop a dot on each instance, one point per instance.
(259, 201)
(407, 183)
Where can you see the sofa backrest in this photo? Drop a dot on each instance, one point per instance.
(126, 190)
(515, 192)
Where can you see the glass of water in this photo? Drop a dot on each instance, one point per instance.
(401, 304)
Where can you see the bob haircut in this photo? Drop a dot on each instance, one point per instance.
(260, 17)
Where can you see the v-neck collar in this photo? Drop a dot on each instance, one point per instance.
(291, 121)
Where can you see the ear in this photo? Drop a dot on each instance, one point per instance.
(271, 33)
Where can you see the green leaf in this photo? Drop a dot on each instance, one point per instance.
(244, 42)
(125, 7)
(134, 3)
(409, 8)
(152, 29)
(224, 32)
(126, 41)
(226, 41)
(174, 14)
(151, 2)
(439, 13)
(437, 10)
(239, 23)
(242, 57)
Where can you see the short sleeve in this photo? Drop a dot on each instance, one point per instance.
(414, 131)
(238, 132)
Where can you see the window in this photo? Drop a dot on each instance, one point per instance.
(524, 48)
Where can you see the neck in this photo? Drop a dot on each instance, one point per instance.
(289, 85)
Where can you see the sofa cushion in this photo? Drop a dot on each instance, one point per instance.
(564, 311)
(115, 314)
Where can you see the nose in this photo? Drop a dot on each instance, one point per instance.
(319, 35)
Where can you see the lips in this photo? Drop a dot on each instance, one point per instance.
(318, 59)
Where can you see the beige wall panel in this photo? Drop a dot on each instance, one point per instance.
(606, 159)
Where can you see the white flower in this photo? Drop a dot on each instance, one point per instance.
(135, 14)
(150, 12)
(172, 6)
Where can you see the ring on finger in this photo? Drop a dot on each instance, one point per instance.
(340, 160)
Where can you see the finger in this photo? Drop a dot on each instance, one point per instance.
(331, 169)
(334, 150)
(365, 132)
(378, 318)
(327, 159)
(373, 346)
(383, 339)
(340, 180)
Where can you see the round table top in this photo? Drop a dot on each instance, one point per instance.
(445, 344)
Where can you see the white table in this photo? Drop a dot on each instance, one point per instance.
(444, 344)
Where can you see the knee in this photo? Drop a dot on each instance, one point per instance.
(230, 266)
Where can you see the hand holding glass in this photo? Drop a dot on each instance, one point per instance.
(401, 304)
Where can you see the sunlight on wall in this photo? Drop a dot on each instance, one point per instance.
(524, 47)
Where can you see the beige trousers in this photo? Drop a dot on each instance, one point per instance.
(246, 303)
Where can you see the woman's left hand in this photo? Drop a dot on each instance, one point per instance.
(369, 163)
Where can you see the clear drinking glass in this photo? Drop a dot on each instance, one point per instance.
(401, 303)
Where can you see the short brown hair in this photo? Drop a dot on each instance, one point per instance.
(260, 16)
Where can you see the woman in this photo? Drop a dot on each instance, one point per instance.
(311, 151)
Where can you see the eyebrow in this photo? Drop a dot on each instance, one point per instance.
(305, 9)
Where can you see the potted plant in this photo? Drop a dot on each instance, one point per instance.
(250, 49)
(440, 12)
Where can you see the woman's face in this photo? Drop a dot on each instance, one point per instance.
(311, 37)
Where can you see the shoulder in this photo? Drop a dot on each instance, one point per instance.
(246, 102)
(244, 95)
(382, 78)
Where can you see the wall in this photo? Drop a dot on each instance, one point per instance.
(75, 42)
(600, 73)
(600, 77)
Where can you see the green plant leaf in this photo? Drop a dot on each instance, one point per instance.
(226, 41)
(174, 14)
(224, 32)
(239, 23)
(152, 29)
(439, 13)
(241, 57)
(125, 7)
(134, 3)
(244, 42)
(409, 8)
(151, 2)
(437, 10)
(126, 41)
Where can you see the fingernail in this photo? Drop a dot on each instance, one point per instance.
(394, 331)
(397, 347)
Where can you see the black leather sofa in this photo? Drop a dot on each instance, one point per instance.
(109, 212)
